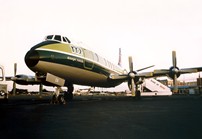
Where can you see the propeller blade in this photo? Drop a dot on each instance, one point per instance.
(145, 68)
(14, 82)
(15, 69)
(35, 77)
(175, 87)
(14, 87)
(174, 59)
(130, 63)
(133, 87)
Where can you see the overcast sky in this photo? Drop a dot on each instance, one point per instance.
(146, 29)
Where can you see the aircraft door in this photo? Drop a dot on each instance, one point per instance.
(88, 64)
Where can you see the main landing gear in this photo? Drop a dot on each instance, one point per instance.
(62, 97)
(138, 91)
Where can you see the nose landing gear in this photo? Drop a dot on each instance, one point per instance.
(64, 97)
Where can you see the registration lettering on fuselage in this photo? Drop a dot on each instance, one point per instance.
(75, 59)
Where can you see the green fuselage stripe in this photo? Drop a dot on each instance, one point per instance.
(74, 61)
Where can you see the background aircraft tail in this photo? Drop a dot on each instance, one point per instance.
(119, 62)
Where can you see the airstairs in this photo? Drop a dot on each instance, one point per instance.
(152, 87)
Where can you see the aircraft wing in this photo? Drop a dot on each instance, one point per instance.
(166, 72)
(161, 72)
(146, 74)
(25, 80)
(190, 70)
(174, 71)
(31, 80)
(125, 77)
(155, 73)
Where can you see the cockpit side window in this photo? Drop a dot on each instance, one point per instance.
(67, 40)
(57, 37)
(64, 40)
(49, 37)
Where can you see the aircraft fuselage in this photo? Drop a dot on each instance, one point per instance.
(75, 64)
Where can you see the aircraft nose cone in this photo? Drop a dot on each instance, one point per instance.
(31, 58)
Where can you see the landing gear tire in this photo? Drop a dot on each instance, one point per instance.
(61, 99)
(58, 100)
(69, 94)
(54, 99)
(138, 95)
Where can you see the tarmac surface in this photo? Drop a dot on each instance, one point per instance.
(102, 117)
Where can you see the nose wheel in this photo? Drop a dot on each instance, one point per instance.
(62, 97)
(58, 100)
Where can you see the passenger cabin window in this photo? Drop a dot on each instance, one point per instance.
(64, 40)
(58, 38)
(96, 58)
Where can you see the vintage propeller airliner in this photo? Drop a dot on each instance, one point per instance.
(58, 62)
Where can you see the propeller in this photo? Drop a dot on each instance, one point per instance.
(14, 82)
(134, 78)
(174, 72)
(131, 75)
(26, 80)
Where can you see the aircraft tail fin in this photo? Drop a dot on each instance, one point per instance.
(119, 62)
